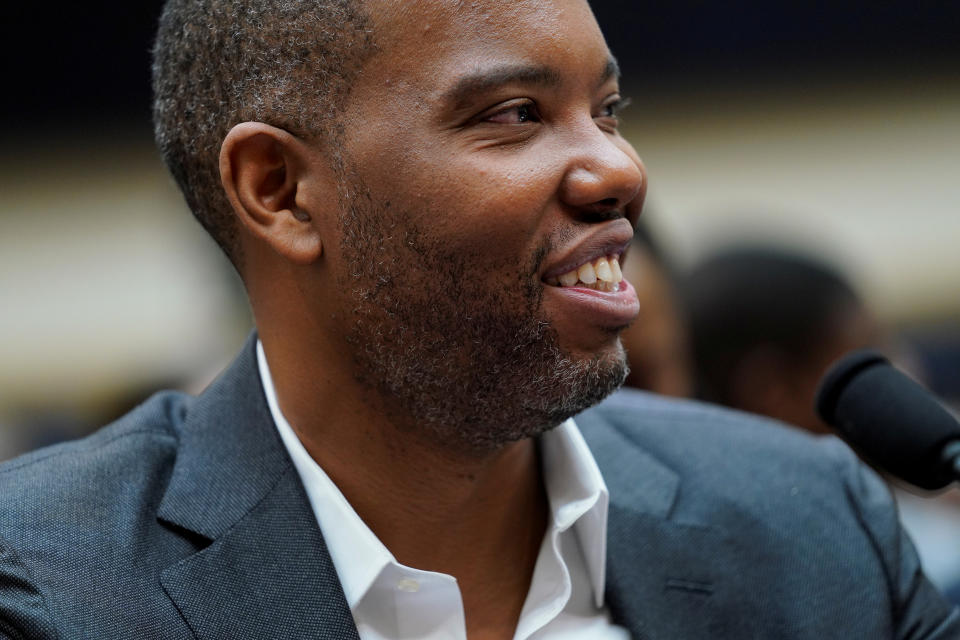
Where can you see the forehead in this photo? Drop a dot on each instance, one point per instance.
(436, 41)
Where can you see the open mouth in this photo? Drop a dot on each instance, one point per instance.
(599, 274)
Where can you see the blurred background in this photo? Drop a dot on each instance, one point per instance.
(829, 128)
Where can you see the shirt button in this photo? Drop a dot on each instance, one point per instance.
(409, 585)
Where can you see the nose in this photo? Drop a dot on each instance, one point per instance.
(603, 177)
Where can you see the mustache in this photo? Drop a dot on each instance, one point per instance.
(556, 238)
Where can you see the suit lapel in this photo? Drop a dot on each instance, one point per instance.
(265, 571)
(664, 573)
(269, 576)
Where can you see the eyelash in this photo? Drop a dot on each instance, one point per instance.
(526, 106)
(616, 106)
(532, 114)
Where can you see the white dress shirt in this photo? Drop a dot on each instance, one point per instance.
(390, 601)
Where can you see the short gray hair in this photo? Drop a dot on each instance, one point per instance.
(216, 63)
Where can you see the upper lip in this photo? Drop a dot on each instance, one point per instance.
(610, 238)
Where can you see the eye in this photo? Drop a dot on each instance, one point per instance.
(514, 112)
(608, 115)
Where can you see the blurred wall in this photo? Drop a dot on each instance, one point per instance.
(862, 171)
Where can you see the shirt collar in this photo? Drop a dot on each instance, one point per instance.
(357, 554)
(576, 493)
(578, 496)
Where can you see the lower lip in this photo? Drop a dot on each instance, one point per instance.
(605, 308)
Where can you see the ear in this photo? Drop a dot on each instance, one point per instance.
(264, 170)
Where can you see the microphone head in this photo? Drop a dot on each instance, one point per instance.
(838, 376)
(889, 418)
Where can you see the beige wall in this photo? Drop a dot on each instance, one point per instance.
(105, 280)
(870, 175)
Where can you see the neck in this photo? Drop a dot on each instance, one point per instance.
(478, 516)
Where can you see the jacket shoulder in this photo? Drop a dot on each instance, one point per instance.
(693, 437)
(139, 436)
(99, 485)
(729, 461)
(81, 515)
(784, 507)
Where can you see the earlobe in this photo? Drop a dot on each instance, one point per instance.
(262, 168)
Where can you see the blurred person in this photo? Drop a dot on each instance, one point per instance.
(765, 323)
(656, 343)
(427, 202)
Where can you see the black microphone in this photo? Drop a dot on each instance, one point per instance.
(891, 419)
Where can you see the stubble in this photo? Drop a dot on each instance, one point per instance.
(455, 355)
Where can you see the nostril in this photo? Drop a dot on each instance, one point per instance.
(602, 211)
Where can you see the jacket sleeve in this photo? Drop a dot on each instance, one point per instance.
(919, 610)
(23, 612)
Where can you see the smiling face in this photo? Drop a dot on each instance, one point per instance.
(481, 171)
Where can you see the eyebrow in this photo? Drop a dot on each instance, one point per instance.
(611, 70)
(486, 80)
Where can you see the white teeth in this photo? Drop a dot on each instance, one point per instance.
(602, 267)
(569, 279)
(603, 274)
(615, 269)
(587, 274)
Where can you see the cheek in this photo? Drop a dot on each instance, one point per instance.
(477, 208)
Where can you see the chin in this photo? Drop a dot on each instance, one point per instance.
(604, 346)
(584, 380)
(559, 388)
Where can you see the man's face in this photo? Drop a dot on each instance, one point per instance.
(481, 163)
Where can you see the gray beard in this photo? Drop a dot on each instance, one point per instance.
(465, 363)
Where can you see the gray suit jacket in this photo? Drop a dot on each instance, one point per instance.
(186, 519)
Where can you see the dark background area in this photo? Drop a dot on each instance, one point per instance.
(74, 64)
